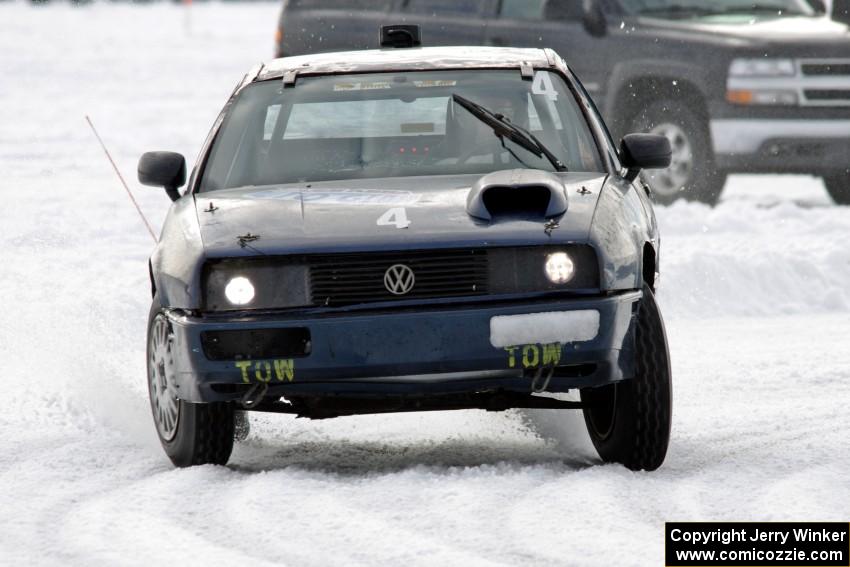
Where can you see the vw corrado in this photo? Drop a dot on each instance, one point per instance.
(409, 229)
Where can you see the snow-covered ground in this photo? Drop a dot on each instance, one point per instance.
(755, 293)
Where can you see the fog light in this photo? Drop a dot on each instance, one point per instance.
(559, 268)
(239, 291)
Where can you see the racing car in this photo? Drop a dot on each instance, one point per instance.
(409, 229)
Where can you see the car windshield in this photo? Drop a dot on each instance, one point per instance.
(698, 8)
(395, 125)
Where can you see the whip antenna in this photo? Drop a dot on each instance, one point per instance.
(121, 177)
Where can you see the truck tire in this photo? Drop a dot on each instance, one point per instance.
(692, 174)
(838, 186)
(629, 421)
(191, 434)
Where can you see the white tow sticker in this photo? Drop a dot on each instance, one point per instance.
(544, 328)
(542, 85)
(396, 217)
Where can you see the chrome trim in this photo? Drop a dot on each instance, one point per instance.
(747, 136)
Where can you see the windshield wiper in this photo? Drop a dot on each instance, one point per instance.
(504, 128)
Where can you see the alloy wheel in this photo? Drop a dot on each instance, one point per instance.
(164, 403)
(668, 182)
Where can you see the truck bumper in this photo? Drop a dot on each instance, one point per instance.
(584, 342)
(782, 146)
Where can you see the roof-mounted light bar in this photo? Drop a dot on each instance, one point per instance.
(401, 36)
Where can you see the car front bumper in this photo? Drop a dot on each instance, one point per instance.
(781, 145)
(439, 350)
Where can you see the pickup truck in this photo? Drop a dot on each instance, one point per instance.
(736, 86)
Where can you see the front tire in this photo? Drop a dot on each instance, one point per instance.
(838, 185)
(629, 422)
(692, 174)
(191, 434)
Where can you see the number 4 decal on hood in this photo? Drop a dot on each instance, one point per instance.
(396, 217)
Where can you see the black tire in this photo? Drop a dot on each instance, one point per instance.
(838, 185)
(629, 422)
(696, 179)
(193, 434)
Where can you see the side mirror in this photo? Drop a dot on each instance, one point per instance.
(163, 169)
(593, 18)
(645, 151)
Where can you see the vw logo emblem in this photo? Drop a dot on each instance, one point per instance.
(399, 279)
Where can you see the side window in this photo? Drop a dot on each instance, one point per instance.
(439, 7)
(563, 10)
(541, 9)
(307, 4)
(271, 120)
(366, 119)
(522, 9)
(375, 5)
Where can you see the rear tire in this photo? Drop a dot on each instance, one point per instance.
(692, 174)
(838, 185)
(191, 434)
(629, 422)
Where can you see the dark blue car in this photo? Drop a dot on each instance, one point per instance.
(409, 229)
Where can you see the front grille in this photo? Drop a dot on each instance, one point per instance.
(828, 95)
(345, 279)
(334, 280)
(823, 82)
(826, 69)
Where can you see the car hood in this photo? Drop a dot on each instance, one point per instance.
(795, 28)
(359, 215)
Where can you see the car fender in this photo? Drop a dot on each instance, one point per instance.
(178, 258)
(618, 232)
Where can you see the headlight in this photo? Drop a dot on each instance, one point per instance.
(762, 82)
(559, 267)
(762, 68)
(234, 284)
(531, 269)
(239, 291)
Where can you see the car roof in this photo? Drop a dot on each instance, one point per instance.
(407, 59)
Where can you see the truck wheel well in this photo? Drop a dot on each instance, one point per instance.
(636, 96)
(649, 265)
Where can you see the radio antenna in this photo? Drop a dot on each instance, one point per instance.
(121, 177)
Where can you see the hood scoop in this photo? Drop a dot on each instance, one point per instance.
(517, 194)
